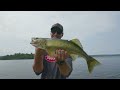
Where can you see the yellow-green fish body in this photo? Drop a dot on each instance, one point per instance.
(73, 48)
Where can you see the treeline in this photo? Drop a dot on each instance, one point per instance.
(17, 56)
(102, 55)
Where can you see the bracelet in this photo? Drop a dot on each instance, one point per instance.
(60, 62)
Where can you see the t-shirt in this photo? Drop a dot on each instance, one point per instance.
(51, 70)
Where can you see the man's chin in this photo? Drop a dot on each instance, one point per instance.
(55, 38)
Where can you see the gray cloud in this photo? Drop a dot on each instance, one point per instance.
(17, 28)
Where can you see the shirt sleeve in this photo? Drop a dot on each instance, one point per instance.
(69, 61)
(37, 73)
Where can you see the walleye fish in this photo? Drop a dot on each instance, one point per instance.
(73, 47)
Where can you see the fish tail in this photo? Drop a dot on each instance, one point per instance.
(91, 63)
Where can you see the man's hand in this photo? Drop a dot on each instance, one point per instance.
(39, 51)
(64, 67)
(60, 55)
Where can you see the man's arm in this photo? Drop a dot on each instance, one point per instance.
(64, 63)
(38, 61)
(65, 68)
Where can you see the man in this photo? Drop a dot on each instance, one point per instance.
(58, 67)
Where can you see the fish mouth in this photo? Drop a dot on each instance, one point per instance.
(33, 44)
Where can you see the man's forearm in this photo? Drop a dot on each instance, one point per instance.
(38, 61)
(64, 68)
(38, 65)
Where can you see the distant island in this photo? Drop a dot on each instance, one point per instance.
(17, 56)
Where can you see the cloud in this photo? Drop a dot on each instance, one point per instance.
(17, 27)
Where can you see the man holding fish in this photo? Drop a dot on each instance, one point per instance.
(58, 66)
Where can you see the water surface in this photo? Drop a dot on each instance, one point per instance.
(22, 69)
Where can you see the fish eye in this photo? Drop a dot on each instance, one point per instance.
(36, 38)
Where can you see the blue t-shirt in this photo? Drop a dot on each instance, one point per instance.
(51, 70)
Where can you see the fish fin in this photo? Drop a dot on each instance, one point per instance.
(92, 62)
(51, 52)
(77, 42)
(74, 56)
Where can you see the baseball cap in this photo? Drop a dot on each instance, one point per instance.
(57, 27)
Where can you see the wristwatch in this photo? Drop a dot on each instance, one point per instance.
(60, 62)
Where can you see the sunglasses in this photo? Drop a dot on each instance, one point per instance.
(58, 31)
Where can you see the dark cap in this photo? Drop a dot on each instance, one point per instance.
(57, 25)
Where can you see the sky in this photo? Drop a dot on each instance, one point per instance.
(98, 31)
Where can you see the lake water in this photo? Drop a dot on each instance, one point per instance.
(22, 69)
